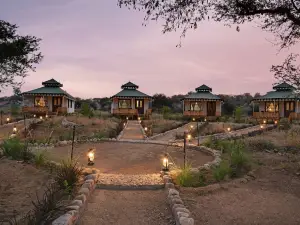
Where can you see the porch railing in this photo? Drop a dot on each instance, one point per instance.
(125, 111)
(294, 116)
(199, 113)
(34, 109)
(266, 115)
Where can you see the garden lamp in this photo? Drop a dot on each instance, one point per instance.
(205, 120)
(261, 126)
(127, 118)
(46, 116)
(146, 128)
(15, 130)
(265, 121)
(7, 119)
(192, 126)
(189, 136)
(275, 121)
(124, 124)
(193, 119)
(228, 129)
(165, 163)
(41, 117)
(34, 115)
(91, 156)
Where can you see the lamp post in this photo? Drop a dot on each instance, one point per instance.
(73, 138)
(184, 150)
(198, 138)
(1, 113)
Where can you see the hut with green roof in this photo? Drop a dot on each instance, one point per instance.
(202, 103)
(49, 99)
(131, 102)
(280, 103)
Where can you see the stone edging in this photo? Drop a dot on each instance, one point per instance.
(129, 187)
(121, 133)
(143, 131)
(181, 214)
(78, 205)
(168, 131)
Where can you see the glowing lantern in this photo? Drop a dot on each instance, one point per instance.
(91, 156)
(165, 163)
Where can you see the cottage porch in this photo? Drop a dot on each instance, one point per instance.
(198, 108)
(43, 110)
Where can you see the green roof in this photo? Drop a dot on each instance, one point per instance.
(276, 95)
(51, 87)
(204, 93)
(282, 91)
(284, 86)
(131, 93)
(203, 96)
(129, 85)
(203, 88)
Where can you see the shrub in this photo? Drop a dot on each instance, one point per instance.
(239, 160)
(13, 148)
(260, 145)
(238, 114)
(70, 172)
(185, 177)
(40, 158)
(221, 171)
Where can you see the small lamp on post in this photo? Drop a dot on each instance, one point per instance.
(41, 118)
(165, 163)
(91, 156)
(127, 118)
(275, 122)
(205, 119)
(265, 121)
(7, 120)
(186, 137)
(228, 129)
(46, 116)
(194, 119)
(261, 126)
(146, 129)
(34, 116)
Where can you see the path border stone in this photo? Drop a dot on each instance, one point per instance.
(77, 206)
(122, 132)
(181, 214)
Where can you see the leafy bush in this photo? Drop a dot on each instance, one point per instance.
(85, 109)
(221, 171)
(238, 114)
(70, 172)
(284, 124)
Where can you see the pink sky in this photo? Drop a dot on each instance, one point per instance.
(93, 47)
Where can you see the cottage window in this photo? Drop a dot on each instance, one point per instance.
(125, 104)
(196, 106)
(40, 101)
(272, 106)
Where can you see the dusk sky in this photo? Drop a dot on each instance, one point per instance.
(93, 47)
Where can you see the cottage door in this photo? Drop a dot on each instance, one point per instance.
(56, 103)
(288, 108)
(211, 108)
(139, 105)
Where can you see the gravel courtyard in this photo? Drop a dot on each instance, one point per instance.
(129, 158)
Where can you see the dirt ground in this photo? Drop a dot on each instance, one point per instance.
(128, 208)
(272, 199)
(19, 184)
(129, 158)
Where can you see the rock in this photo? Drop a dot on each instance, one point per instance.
(176, 206)
(63, 143)
(186, 221)
(169, 185)
(81, 197)
(87, 185)
(176, 201)
(173, 192)
(76, 203)
(73, 207)
(84, 191)
(251, 174)
(182, 214)
(182, 209)
(65, 219)
(90, 176)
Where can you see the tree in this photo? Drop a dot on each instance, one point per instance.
(288, 72)
(281, 17)
(18, 55)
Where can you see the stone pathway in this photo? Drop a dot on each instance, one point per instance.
(229, 134)
(132, 131)
(171, 135)
(108, 207)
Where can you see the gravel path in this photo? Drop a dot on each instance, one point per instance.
(132, 131)
(170, 136)
(128, 208)
(132, 180)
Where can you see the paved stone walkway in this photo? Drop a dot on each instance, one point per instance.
(132, 131)
(171, 135)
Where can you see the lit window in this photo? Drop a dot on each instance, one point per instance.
(196, 106)
(125, 104)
